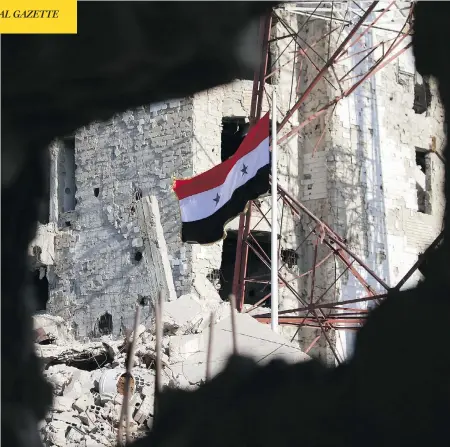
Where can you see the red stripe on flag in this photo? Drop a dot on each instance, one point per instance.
(216, 176)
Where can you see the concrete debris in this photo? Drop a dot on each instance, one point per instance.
(88, 400)
(55, 328)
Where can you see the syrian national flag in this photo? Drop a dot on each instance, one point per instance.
(209, 200)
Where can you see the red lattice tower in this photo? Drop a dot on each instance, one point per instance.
(347, 314)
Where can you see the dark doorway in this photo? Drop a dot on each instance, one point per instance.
(105, 324)
(234, 130)
(257, 271)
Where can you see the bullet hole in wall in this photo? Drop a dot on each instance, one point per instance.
(143, 300)
(96, 192)
(138, 256)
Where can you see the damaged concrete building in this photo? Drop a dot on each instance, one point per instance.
(369, 167)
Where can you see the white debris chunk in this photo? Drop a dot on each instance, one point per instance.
(74, 436)
(59, 377)
(206, 289)
(144, 410)
(181, 315)
(62, 403)
(56, 433)
(83, 402)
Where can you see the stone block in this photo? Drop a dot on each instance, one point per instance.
(182, 314)
(83, 402)
(144, 410)
(205, 289)
(62, 404)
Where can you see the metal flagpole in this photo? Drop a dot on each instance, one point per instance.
(274, 234)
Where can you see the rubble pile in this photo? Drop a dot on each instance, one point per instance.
(88, 379)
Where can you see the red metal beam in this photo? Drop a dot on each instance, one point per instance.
(326, 66)
(333, 305)
(240, 266)
(312, 321)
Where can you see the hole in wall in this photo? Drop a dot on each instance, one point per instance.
(37, 251)
(143, 300)
(138, 256)
(234, 130)
(289, 257)
(423, 181)
(214, 277)
(422, 94)
(96, 192)
(105, 324)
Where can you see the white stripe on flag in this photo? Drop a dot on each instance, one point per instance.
(202, 205)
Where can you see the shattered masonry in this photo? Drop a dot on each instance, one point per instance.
(86, 378)
(372, 178)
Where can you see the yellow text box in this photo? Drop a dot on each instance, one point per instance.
(38, 16)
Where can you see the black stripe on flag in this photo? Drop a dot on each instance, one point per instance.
(211, 229)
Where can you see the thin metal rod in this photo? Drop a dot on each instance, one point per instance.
(274, 233)
(125, 412)
(233, 322)
(371, 25)
(158, 348)
(324, 69)
(210, 344)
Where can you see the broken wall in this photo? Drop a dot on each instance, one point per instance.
(100, 261)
